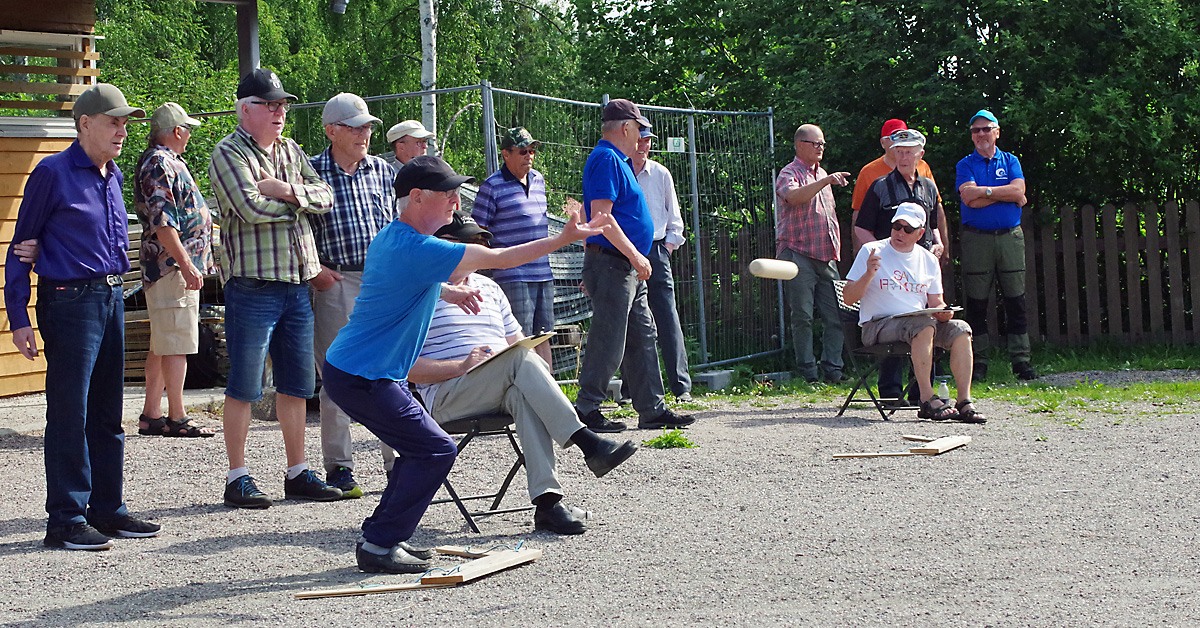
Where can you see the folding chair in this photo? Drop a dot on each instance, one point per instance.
(876, 354)
(470, 428)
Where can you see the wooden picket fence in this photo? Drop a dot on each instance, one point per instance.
(1128, 276)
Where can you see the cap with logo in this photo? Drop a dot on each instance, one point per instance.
(463, 227)
(170, 115)
(262, 83)
(410, 128)
(986, 115)
(426, 172)
(908, 137)
(106, 99)
(621, 109)
(518, 138)
(891, 126)
(911, 213)
(348, 109)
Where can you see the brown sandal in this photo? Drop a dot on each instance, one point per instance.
(967, 412)
(184, 429)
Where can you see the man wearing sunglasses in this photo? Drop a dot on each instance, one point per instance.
(511, 204)
(265, 187)
(894, 278)
(992, 188)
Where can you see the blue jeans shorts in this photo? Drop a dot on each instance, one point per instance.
(268, 317)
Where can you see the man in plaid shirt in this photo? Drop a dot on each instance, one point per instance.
(264, 186)
(808, 234)
(363, 203)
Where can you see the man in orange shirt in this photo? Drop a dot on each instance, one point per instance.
(882, 167)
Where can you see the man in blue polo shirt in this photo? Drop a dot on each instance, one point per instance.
(366, 368)
(512, 205)
(615, 270)
(992, 188)
(73, 207)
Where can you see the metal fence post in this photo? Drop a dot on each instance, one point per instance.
(696, 230)
(490, 156)
(775, 212)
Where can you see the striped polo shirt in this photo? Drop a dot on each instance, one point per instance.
(515, 213)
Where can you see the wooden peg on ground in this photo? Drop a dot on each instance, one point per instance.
(493, 562)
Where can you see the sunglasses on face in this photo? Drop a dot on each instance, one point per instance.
(816, 144)
(899, 226)
(982, 129)
(527, 151)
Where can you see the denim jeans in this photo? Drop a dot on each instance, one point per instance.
(83, 338)
(622, 333)
(275, 317)
(813, 286)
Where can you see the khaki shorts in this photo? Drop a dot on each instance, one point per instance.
(174, 316)
(905, 328)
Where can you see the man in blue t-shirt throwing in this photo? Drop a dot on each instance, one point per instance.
(366, 367)
(992, 188)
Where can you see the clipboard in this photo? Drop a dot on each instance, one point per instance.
(530, 343)
(924, 312)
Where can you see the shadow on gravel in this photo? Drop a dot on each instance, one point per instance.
(20, 441)
(159, 606)
(213, 545)
(820, 417)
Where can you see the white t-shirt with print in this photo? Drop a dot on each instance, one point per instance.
(902, 283)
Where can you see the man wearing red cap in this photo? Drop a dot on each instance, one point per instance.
(882, 167)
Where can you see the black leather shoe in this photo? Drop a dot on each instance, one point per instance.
(424, 553)
(395, 561)
(558, 519)
(1024, 370)
(597, 422)
(667, 419)
(610, 458)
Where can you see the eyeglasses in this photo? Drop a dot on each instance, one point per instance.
(816, 144)
(366, 128)
(527, 151)
(983, 129)
(899, 226)
(273, 106)
(418, 142)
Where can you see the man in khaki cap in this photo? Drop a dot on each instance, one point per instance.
(363, 203)
(175, 255)
(72, 205)
(408, 139)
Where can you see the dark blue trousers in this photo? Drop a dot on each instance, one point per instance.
(83, 338)
(424, 452)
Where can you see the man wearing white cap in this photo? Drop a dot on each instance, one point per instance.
(363, 203)
(175, 255)
(408, 139)
(894, 278)
(73, 206)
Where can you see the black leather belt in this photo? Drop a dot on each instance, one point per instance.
(106, 281)
(607, 251)
(988, 231)
(343, 268)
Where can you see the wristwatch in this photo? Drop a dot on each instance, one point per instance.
(988, 192)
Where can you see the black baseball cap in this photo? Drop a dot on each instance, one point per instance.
(463, 227)
(263, 83)
(427, 172)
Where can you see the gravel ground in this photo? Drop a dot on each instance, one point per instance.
(1035, 523)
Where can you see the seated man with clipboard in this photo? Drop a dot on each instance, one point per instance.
(478, 363)
(899, 285)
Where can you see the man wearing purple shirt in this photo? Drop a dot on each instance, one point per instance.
(72, 205)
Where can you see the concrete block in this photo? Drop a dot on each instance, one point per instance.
(264, 409)
(614, 389)
(714, 380)
(779, 376)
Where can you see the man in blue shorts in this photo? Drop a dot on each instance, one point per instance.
(366, 367)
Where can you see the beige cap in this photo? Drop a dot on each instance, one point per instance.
(408, 127)
(169, 116)
(347, 109)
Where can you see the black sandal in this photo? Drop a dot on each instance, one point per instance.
(151, 427)
(943, 411)
(185, 429)
(968, 414)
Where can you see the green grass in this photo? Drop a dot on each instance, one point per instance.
(672, 439)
